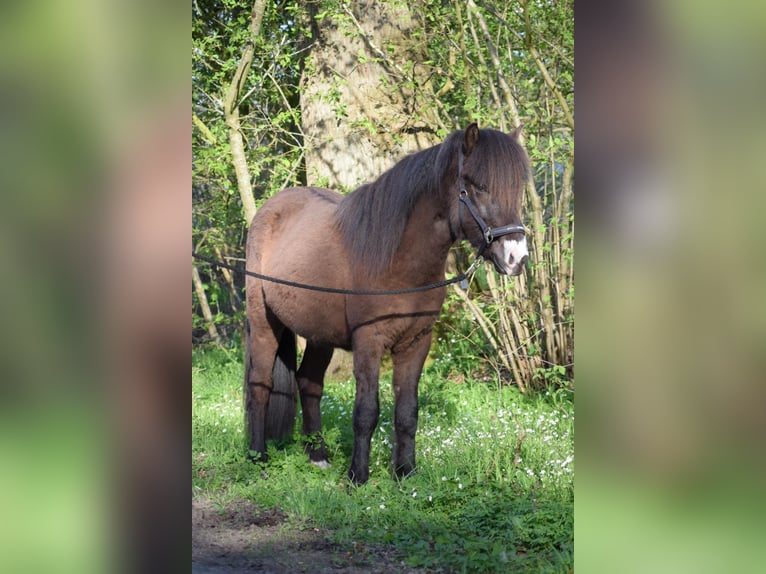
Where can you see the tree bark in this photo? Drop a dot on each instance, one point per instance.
(359, 96)
(231, 113)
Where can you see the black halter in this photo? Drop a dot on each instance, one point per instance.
(489, 234)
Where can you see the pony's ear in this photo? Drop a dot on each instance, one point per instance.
(471, 137)
(517, 132)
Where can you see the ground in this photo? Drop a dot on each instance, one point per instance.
(241, 537)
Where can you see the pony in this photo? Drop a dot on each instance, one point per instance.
(391, 234)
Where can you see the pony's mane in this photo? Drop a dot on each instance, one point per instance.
(372, 218)
(502, 165)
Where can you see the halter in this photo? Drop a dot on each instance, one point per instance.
(489, 234)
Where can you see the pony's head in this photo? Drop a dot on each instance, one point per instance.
(492, 171)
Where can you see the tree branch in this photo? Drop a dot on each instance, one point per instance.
(199, 288)
(206, 133)
(509, 100)
(544, 70)
(231, 113)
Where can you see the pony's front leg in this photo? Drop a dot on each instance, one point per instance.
(366, 411)
(408, 364)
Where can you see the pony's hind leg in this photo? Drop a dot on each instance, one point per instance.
(408, 365)
(262, 343)
(311, 384)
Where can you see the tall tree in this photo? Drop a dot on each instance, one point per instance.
(360, 93)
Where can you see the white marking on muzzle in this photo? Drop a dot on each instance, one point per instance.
(514, 250)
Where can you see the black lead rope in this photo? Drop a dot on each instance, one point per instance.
(489, 234)
(462, 279)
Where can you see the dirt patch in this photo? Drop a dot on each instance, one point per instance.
(241, 537)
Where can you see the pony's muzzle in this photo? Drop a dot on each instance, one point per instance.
(509, 255)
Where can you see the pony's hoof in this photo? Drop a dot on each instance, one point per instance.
(255, 457)
(405, 471)
(358, 478)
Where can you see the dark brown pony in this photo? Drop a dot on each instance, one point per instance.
(392, 233)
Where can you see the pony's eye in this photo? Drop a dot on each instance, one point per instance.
(482, 188)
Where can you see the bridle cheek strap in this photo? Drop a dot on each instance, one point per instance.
(489, 234)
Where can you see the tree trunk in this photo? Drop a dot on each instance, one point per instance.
(231, 113)
(359, 94)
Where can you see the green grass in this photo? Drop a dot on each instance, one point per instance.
(493, 490)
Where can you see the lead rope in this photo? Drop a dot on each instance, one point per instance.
(463, 279)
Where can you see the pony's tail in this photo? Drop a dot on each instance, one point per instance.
(280, 416)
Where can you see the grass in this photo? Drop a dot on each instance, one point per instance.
(493, 490)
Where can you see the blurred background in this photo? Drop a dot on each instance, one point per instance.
(95, 140)
(670, 258)
(95, 207)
